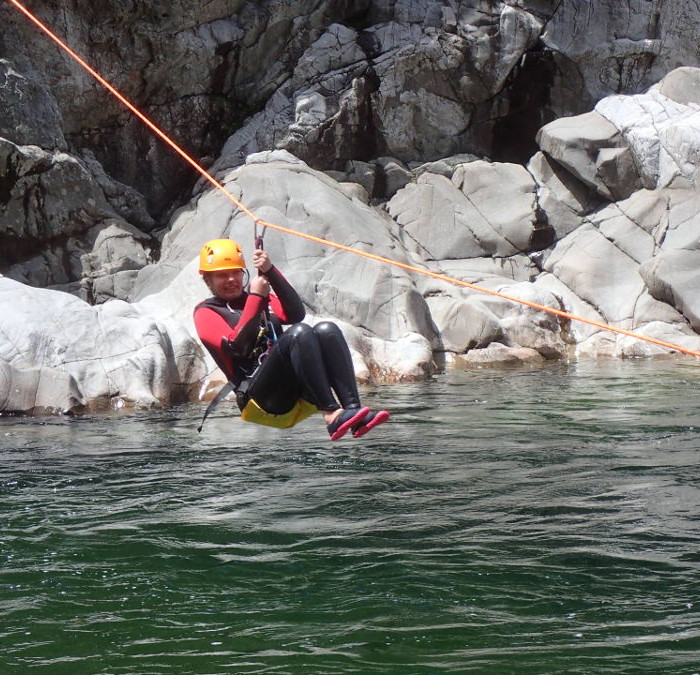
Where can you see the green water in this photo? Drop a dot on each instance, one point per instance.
(520, 521)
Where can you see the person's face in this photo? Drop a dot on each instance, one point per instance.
(226, 284)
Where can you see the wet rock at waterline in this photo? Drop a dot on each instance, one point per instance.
(110, 354)
(38, 391)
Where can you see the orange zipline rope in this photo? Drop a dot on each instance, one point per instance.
(286, 230)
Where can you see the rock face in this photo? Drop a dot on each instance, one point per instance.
(38, 391)
(55, 198)
(335, 82)
(524, 148)
(109, 355)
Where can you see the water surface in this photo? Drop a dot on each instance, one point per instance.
(528, 521)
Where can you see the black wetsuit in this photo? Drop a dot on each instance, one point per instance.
(273, 367)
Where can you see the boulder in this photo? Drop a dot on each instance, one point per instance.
(563, 199)
(497, 354)
(598, 272)
(392, 176)
(485, 209)
(114, 355)
(38, 391)
(681, 85)
(593, 150)
(674, 277)
(662, 134)
(463, 324)
(630, 225)
(505, 195)
(59, 230)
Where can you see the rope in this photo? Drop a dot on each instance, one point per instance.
(325, 242)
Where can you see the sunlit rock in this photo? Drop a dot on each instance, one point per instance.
(115, 355)
(593, 150)
(485, 209)
(674, 277)
(38, 391)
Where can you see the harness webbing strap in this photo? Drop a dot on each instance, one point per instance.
(223, 393)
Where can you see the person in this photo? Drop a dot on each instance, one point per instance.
(275, 371)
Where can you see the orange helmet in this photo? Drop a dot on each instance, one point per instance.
(221, 254)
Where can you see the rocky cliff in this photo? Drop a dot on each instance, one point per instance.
(543, 148)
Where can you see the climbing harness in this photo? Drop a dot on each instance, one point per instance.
(325, 242)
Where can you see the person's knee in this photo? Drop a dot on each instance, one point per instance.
(299, 331)
(326, 328)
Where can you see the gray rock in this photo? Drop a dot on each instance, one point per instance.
(505, 195)
(363, 174)
(673, 277)
(522, 324)
(464, 324)
(485, 210)
(598, 272)
(497, 354)
(477, 270)
(560, 195)
(681, 85)
(619, 49)
(663, 135)
(629, 225)
(445, 166)
(115, 355)
(126, 202)
(57, 226)
(594, 151)
(427, 79)
(38, 391)
(355, 191)
(393, 87)
(393, 175)
(197, 69)
(29, 113)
